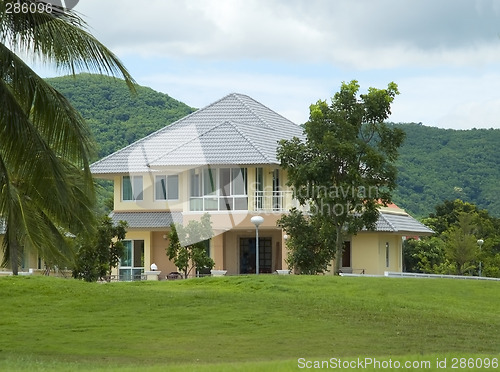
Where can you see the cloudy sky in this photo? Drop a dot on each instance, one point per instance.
(444, 55)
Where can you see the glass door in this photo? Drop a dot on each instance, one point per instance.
(247, 255)
(132, 262)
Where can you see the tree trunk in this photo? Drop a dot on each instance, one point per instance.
(13, 251)
(339, 250)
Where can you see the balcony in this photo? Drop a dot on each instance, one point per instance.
(273, 201)
(218, 203)
(259, 201)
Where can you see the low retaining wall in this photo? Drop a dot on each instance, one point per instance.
(391, 274)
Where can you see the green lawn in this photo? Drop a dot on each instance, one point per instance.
(243, 323)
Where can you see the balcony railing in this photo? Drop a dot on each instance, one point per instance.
(275, 201)
(218, 203)
(259, 201)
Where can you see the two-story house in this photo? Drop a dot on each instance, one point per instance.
(222, 160)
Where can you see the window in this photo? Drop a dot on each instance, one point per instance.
(173, 187)
(239, 181)
(233, 188)
(132, 188)
(195, 179)
(218, 189)
(387, 255)
(167, 187)
(132, 261)
(209, 181)
(259, 188)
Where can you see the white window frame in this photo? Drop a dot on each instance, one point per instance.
(136, 194)
(166, 177)
(135, 272)
(217, 194)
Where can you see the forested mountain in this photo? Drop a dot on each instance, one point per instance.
(444, 164)
(115, 115)
(434, 165)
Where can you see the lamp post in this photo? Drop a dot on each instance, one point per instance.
(480, 243)
(257, 221)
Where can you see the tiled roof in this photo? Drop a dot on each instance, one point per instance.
(234, 130)
(153, 220)
(401, 223)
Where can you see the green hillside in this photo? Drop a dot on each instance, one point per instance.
(244, 323)
(115, 115)
(443, 164)
(435, 164)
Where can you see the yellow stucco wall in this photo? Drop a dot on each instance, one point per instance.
(159, 254)
(368, 249)
(224, 249)
(29, 260)
(146, 237)
(369, 253)
(149, 202)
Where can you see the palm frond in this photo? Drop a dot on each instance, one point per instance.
(62, 127)
(59, 37)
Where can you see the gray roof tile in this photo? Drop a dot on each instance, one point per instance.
(401, 223)
(234, 130)
(147, 220)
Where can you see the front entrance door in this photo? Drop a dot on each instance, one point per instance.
(247, 255)
(346, 258)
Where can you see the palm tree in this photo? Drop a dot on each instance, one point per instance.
(45, 146)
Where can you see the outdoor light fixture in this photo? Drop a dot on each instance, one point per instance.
(480, 243)
(257, 221)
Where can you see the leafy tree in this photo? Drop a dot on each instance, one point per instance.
(308, 251)
(454, 249)
(45, 146)
(344, 169)
(461, 244)
(186, 246)
(425, 256)
(96, 258)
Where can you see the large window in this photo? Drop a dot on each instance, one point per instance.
(218, 189)
(132, 261)
(167, 187)
(132, 188)
(259, 189)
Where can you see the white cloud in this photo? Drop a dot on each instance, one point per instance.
(364, 34)
(450, 101)
(289, 53)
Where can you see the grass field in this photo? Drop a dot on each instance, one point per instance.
(245, 323)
